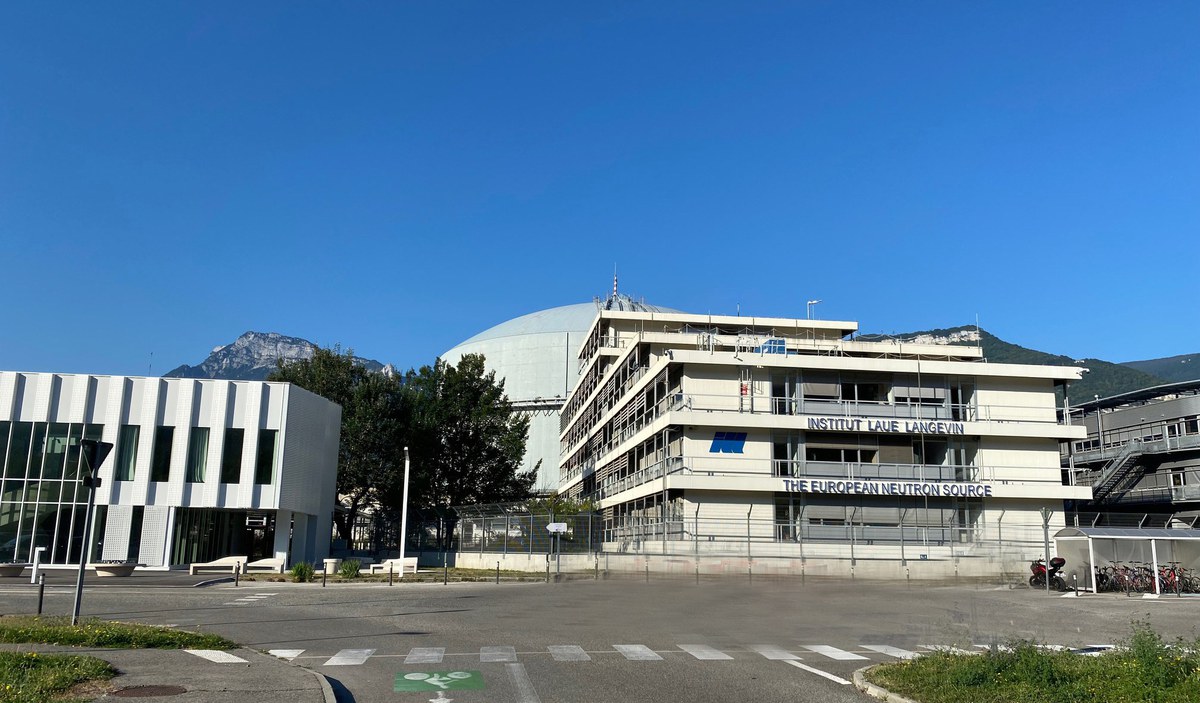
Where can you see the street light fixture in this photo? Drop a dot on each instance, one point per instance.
(811, 305)
(404, 514)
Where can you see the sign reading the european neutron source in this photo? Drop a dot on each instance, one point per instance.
(888, 488)
(866, 424)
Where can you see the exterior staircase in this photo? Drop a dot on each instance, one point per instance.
(1119, 474)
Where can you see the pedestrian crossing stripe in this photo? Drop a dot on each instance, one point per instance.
(217, 656)
(631, 652)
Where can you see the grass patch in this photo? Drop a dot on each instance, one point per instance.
(1145, 669)
(29, 677)
(101, 633)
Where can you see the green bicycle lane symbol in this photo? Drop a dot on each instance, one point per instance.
(438, 681)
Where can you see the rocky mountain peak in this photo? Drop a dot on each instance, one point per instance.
(252, 356)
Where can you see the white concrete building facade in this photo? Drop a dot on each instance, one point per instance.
(200, 469)
(692, 433)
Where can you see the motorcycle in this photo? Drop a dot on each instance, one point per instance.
(1039, 575)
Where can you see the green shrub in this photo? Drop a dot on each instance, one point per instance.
(91, 632)
(30, 677)
(302, 572)
(349, 569)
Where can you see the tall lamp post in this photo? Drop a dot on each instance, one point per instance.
(404, 514)
(92, 454)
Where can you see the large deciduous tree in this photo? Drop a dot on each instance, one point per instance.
(375, 421)
(467, 441)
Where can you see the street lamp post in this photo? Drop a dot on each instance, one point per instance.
(92, 455)
(404, 514)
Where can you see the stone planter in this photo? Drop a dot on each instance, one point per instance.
(114, 569)
(11, 570)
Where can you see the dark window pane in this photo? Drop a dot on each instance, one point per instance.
(197, 460)
(160, 467)
(231, 455)
(56, 450)
(264, 466)
(126, 452)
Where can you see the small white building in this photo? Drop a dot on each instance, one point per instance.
(200, 469)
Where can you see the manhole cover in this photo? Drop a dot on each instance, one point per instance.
(148, 691)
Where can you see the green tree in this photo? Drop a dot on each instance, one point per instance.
(375, 421)
(467, 442)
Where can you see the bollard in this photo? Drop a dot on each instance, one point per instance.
(697, 573)
(391, 570)
(597, 576)
(750, 574)
(907, 577)
(41, 591)
(647, 569)
(445, 574)
(497, 573)
(324, 575)
(1075, 580)
(547, 570)
(237, 575)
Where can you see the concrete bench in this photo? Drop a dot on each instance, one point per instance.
(272, 565)
(398, 566)
(120, 569)
(231, 564)
(11, 570)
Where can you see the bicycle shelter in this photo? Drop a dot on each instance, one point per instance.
(1089, 547)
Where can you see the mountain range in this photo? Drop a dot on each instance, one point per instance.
(1104, 378)
(252, 356)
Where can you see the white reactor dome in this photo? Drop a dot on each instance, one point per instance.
(537, 356)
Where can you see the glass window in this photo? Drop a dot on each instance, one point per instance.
(4, 426)
(18, 450)
(126, 452)
(264, 465)
(231, 455)
(197, 454)
(56, 450)
(160, 465)
(37, 449)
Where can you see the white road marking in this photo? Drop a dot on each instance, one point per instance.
(235, 603)
(704, 652)
(525, 690)
(891, 651)
(350, 657)
(497, 654)
(833, 652)
(818, 672)
(214, 655)
(266, 594)
(637, 652)
(773, 652)
(946, 648)
(288, 654)
(568, 653)
(425, 655)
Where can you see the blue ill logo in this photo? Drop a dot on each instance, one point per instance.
(728, 443)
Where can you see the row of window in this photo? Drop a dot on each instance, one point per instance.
(196, 471)
(40, 451)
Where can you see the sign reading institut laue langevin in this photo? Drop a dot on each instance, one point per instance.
(866, 424)
(888, 488)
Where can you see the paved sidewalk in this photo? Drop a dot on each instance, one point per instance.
(261, 678)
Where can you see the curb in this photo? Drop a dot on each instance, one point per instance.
(326, 689)
(213, 582)
(861, 683)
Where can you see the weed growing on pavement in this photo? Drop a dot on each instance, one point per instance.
(1145, 669)
(30, 677)
(101, 633)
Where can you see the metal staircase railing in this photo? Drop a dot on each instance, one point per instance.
(1120, 473)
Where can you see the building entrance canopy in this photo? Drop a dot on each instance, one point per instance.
(1086, 548)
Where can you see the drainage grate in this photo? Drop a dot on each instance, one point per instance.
(148, 691)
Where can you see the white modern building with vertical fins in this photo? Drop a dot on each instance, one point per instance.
(200, 469)
(789, 438)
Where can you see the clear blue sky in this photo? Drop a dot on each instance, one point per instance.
(397, 177)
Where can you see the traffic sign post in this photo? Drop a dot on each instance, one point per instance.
(92, 454)
(557, 529)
